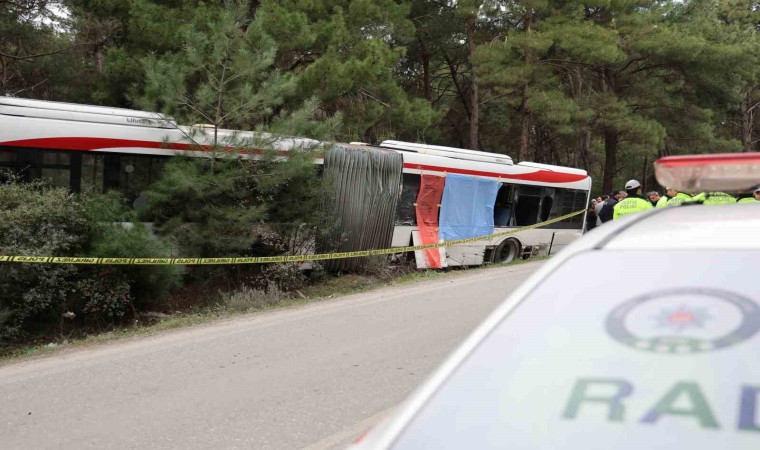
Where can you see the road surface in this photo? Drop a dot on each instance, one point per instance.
(307, 377)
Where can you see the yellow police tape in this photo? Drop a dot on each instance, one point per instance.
(266, 259)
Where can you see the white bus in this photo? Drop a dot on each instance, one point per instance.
(92, 147)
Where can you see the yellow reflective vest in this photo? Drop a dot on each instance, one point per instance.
(680, 199)
(631, 205)
(748, 200)
(714, 198)
(662, 202)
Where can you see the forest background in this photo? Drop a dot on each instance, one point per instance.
(603, 85)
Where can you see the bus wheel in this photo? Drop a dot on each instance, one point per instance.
(507, 251)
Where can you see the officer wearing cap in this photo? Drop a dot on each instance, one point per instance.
(633, 203)
(754, 199)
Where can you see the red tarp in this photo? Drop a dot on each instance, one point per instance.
(428, 204)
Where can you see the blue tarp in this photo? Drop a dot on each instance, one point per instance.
(467, 207)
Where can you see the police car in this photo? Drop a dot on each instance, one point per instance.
(645, 334)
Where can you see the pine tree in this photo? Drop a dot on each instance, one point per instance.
(347, 54)
(620, 77)
(224, 76)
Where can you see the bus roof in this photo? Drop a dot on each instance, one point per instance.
(83, 113)
(450, 152)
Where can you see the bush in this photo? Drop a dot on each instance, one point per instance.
(286, 277)
(116, 235)
(36, 220)
(106, 295)
(39, 220)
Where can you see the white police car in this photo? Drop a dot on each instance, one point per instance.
(645, 334)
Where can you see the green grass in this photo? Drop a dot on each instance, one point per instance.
(332, 287)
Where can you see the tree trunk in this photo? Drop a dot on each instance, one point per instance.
(747, 111)
(100, 58)
(610, 159)
(425, 57)
(539, 151)
(453, 71)
(584, 149)
(666, 149)
(583, 156)
(645, 174)
(522, 152)
(611, 136)
(474, 95)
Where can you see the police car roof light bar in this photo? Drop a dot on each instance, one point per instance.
(727, 172)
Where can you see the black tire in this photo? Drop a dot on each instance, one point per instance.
(507, 251)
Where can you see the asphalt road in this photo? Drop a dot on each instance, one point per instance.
(313, 376)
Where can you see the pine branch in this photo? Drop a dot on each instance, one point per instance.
(365, 92)
(30, 88)
(628, 64)
(598, 67)
(460, 92)
(649, 67)
(40, 55)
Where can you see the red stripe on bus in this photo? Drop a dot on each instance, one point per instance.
(544, 176)
(92, 143)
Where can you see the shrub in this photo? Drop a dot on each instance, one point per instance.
(116, 235)
(286, 277)
(104, 296)
(39, 220)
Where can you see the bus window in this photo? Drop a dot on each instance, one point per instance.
(406, 213)
(127, 173)
(7, 156)
(502, 210)
(527, 205)
(137, 173)
(567, 201)
(56, 177)
(54, 158)
(8, 166)
(34, 164)
(111, 172)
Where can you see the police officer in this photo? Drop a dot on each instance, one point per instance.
(714, 198)
(657, 201)
(754, 199)
(677, 198)
(633, 202)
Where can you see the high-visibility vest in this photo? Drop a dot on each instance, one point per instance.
(631, 205)
(680, 199)
(714, 198)
(748, 200)
(662, 202)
